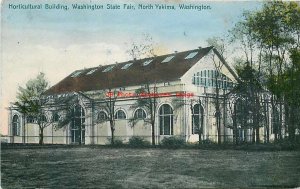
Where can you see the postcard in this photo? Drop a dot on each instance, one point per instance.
(150, 94)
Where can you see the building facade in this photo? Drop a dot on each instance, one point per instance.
(185, 86)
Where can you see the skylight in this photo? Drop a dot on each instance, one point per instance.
(108, 69)
(147, 62)
(126, 66)
(191, 55)
(77, 73)
(91, 71)
(168, 59)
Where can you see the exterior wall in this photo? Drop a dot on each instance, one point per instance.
(99, 133)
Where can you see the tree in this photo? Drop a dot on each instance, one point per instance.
(249, 109)
(148, 102)
(291, 93)
(269, 35)
(147, 99)
(218, 44)
(108, 104)
(31, 102)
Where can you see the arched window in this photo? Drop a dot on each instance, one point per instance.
(120, 114)
(30, 119)
(78, 125)
(166, 120)
(197, 119)
(16, 126)
(102, 116)
(140, 114)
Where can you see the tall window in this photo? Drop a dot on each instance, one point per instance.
(120, 114)
(140, 114)
(78, 125)
(16, 126)
(197, 119)
(207, 78)
(166, 120)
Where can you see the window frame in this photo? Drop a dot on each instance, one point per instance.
(165, 117)
(191, 55)
(144, 114)
(16, 130)
(117, 115)
(168, 59)
(126, 66)
(103, 113)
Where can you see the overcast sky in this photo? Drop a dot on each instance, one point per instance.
(57, 42)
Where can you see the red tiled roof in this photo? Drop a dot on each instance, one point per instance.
(136, 74)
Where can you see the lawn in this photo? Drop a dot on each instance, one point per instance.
(88, 167)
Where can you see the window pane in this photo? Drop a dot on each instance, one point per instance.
(172, 125)
(161, 123)
(166, 125)
(196, 109)
(191, 55)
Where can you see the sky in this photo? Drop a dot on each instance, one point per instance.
(57, 41)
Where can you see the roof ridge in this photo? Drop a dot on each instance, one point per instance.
(132, 60)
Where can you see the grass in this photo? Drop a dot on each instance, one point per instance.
(94, 167)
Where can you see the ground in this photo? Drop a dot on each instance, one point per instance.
(88, 167)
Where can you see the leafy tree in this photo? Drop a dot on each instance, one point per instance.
(291, 89)
(30, 102)
(267, 37)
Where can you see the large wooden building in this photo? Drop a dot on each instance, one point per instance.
(192, 77)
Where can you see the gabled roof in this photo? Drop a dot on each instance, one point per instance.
(135, 74)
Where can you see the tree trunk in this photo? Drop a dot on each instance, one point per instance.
(41, 136)
(267, 121)
(112, 129)
(253, 135)
(235, 126)
(199, 138)
(291, 129)
(219, 129)
(257, 135)
(153, 133)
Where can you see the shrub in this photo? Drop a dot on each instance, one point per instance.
(117, 142)
(173, 142)
(208, 141)
(136, 141)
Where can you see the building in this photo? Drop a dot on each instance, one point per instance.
(192, 77)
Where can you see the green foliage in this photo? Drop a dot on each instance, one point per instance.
(29, 98)
(208, 142)
(173, 142)
(137, 141)
(115, 142)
